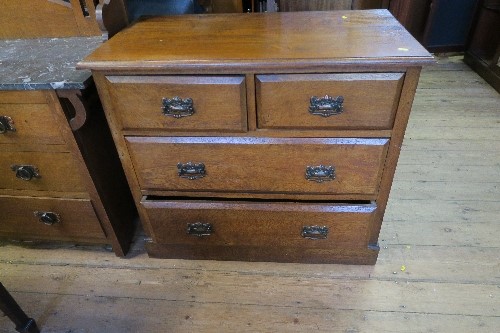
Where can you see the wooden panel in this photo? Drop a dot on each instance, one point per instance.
(369, 100)
(46, 18)
(370, 4)
(225, 6)
(260, 42)
(33, 123)
(78, 219)
(301, 5)
(259, 164)
(58, 172)
(259, 224)
(219, 102)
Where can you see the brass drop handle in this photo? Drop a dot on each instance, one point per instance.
(200, 229)
(314, 232)
(26, 172)
(320, 173)
(326, 106)
(48, 218)
(6, 125)
(191, 170)
(177, 107)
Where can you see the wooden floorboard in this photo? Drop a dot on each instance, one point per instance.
(438, 268)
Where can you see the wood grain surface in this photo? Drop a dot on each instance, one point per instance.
(441, 224)
(283, 101)
(260, 41)
(259, 164)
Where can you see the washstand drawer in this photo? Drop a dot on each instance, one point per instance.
(28, 124)
(180, 103)
(328, 101)
(280, 165)
(40, 171)
(269, 224)
(49, 218)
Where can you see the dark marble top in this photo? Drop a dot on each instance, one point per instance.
(45, 63)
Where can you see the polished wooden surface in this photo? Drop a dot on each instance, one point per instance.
(283, 64)
(280, 224)
(78, 171)
(78, 219)
(58, 171)
(283, 101)
(259, 41)
(219, 102)
(441, 224)
(34, 124)
(259, 165)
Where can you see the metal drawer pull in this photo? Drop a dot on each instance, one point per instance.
(48, 218)
(177, 107)
(314, 232)
(199, 229)
(6, 124)
(191, 170)
(26, 172)
(326, 106)
(320, 173)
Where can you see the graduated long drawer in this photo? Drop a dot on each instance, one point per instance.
(40, 171)
(71, 219)
(279, 165)
(264, 224)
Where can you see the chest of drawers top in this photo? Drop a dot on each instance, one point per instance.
(304, 41)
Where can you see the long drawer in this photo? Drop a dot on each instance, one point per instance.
(180, 103)
(28, 124)
(280, 165)
(49, 218)
(328, 101)
(269, 224)
(40, 171)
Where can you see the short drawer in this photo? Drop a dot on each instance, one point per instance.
(40, 171)
(180, 103)
(267, 224)
(49, 218)
(28, 124)
(279, 165)
(328, 101)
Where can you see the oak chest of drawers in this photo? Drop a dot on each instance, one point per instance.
(263, 137)
(59, 166)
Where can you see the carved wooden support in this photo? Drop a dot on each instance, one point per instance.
(79, 104)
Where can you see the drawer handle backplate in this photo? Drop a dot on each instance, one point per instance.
(26, 172)
(6, 124)
(314, 232)
(320, 173)
(48, 218)
(191, 170)
(177, 107)
(200, 229)
(326, 106)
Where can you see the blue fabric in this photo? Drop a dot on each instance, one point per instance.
(138, 8)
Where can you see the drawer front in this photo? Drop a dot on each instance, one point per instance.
(28, 124)
(64, 219)
(303, 225)
(180, 103)
(40, 172)
(300, 165)
(358, 101)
